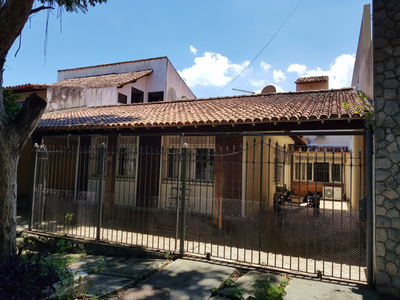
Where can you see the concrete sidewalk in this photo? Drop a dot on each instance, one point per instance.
(186, 279)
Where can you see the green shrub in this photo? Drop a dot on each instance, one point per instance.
(30, 276)
(267, 290)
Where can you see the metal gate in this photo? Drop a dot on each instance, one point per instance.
(248, 199)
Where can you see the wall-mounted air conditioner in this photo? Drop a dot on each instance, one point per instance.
(333, 193)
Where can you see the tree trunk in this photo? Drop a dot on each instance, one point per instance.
(13, 133)
(8, 199)
(13, 136)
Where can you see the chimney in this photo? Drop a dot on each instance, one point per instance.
(313, 83)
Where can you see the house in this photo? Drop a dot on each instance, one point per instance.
(165, 126)
(239, 163)
(121, 146)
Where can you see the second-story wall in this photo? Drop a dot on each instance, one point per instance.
(176, 88)
(59, 98)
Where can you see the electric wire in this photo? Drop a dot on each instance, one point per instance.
(287, 19)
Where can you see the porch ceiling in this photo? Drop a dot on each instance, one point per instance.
(283, 109)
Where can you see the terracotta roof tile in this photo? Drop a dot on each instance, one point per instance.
(114, 64)
(312, 79)
(260, 108)
(108, 80)
(26, 87)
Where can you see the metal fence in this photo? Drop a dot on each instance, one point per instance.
(244, 199)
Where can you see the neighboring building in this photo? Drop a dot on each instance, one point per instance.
(139, 81)
(362, 78)
(312, 83)
(26, 90)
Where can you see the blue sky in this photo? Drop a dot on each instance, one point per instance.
(208, 42)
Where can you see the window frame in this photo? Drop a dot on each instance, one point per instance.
(135, 91)
(204, 168)
(122, 98)
(155, 96)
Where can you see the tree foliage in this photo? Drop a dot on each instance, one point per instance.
(10, 103)
(72, 5)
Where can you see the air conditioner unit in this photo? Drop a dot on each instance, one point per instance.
(333, 193)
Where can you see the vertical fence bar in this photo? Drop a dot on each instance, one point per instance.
(183, 200)
(33, 184)
(261, 191)
(369, 209)
(100, 191)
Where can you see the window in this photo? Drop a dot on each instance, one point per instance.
(205, 164)
(199, 167)
(336, 172)
(122, 98)
(321, 172)
(156, 97)
(136, 96)
(173, 163)
(94, 151)
(126, 162)
(303, 171)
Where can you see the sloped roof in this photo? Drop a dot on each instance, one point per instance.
(247, 109)
(115, 63)
(100, 81)
(312, 79)
(26, 87)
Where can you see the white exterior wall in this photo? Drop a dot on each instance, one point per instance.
(141, 84)
(59, 98)
(176, 87)
(329, 140)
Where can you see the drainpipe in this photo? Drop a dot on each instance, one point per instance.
(370, 221)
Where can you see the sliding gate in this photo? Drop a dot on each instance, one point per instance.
(249, 199)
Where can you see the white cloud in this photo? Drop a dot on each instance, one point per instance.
(278, 76)
(257, 83)
(193, 50)
(299, 69)
(265, 66)
(211, 69)
(279, 89)
(340, 71)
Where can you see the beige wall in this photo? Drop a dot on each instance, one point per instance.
(357, 187)
(40, 93)
(363, 72)
(200, 194)
(312, 86)
(255, 189)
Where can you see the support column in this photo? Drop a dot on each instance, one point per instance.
(386, 41)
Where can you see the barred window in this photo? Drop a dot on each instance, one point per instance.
(205, 164)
